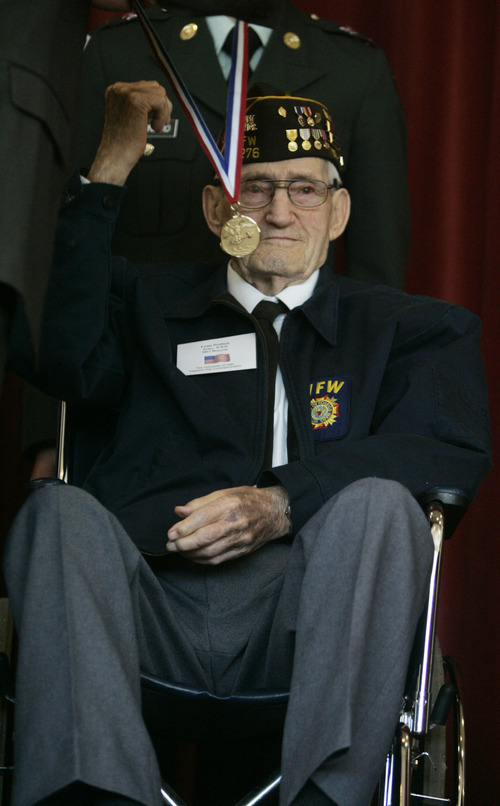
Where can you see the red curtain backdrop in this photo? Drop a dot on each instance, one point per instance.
(446, 61)
(445, 57)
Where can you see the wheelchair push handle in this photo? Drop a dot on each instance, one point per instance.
(452, 501)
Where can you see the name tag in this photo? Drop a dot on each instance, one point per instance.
(169, 130)
(227, 354)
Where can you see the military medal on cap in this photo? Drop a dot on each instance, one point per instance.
(292, 135)
(306, 139)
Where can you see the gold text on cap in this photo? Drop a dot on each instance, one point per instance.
(189, 31)
(291, 40)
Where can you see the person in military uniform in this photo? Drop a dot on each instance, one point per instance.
(252, 523)
(160, 217)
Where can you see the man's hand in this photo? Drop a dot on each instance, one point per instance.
(229, 523)
(129, 107)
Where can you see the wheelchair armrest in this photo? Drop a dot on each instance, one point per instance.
(453, 501)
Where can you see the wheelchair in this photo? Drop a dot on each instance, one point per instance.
(430, 734)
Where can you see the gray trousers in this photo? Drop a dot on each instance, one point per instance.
(332, 616)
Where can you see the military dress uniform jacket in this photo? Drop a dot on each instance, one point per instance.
(379, 383)
(161, 217)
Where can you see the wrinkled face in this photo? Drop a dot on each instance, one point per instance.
(294, 241)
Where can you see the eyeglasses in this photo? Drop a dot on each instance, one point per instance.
(303, 193)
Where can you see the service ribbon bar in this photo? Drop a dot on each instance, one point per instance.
(228, 165)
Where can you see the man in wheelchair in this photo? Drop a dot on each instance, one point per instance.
(244, 528)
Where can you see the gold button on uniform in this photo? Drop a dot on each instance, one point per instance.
(189, 31)
(291, 40)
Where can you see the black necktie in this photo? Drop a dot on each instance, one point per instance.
(265, 313)
(254, 43)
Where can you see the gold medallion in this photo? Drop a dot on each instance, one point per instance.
(149, 149)
(188, 31)
(282, 111)
(240, 235)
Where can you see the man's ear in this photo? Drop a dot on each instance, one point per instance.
(214, 208)
(341, 208)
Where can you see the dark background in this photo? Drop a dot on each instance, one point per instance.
(445, 57)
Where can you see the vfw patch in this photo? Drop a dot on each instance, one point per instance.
(330, 404)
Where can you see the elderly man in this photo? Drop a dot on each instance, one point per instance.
(252, 522)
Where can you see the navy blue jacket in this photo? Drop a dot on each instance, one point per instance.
(379, 383)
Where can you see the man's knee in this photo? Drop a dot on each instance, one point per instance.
(374, 500)
(386, 494)
(60, 516)
(372, 516)
(47, 505)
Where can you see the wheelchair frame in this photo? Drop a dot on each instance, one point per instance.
(420, 714)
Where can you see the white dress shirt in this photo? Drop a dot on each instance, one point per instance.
(219, 27)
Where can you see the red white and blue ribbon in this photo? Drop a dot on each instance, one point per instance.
(227, 165)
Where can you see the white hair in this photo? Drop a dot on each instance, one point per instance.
(333, 174)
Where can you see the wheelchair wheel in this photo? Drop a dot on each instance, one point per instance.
(429, 761)
(438, 759)
(430, 769)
